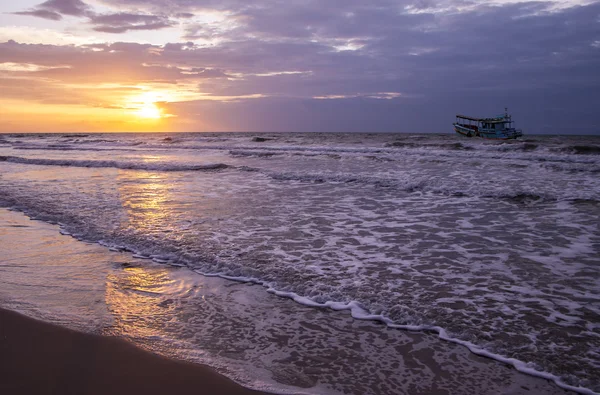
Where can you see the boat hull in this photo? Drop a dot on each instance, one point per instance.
(464, 131)
(487, 134)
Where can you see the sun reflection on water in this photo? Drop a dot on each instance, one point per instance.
(139, 299)
(146, 200)
(140, 295)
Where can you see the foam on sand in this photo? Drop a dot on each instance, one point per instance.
(259, 340)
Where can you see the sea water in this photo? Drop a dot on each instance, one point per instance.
(492, 245)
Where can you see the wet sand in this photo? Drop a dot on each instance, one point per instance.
(41, 358)
(263, 341)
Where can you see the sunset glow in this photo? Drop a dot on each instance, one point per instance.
(363, 197)
(128, 65)
(149, 110)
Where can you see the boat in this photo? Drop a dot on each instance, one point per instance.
(497, 128)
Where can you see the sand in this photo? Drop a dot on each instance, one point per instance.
(268, 342)
(41, 358)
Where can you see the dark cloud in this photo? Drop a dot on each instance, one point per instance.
(66, 7)
(55, 9)
(108, 23)
(443, 57)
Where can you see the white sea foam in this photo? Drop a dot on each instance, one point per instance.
(114, 164)
(489, 244)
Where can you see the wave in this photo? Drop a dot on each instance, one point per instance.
(358, 312)
(405, 183)
(447, 146)
(260, 139)
(572, 167)
(410, 184)
(522, 152)
(521, 156)
(525, 147)
(580, 150)
(530, 150)
(259, 154)
(97, 141)
(65, 148)
(112, 142)
(156, 166)
(356, 309)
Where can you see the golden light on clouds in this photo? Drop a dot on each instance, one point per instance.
(48, 117)
(177, 65)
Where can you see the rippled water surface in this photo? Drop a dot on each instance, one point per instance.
(495, 244)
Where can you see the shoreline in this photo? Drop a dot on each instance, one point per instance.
(43, 358)
(416, 349)
(357, 313)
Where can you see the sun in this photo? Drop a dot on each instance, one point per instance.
(149, 111)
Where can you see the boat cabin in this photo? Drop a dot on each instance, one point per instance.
(500, 127)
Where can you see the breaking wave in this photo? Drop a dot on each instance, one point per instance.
(581, 150)
(401, 182)
(65, 148)
(156, 166)
(517, 193)
(373, 214)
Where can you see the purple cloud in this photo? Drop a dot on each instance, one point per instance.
(55, 9)
(108, 23)
(122, 22)
(45, 14)
(184, 15)
(206, 73)
(352, 52)
(66, 7)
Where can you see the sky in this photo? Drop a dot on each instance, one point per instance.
(297, 65)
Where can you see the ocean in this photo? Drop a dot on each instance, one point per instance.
(179, 242)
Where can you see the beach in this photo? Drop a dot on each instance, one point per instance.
(300, 350)
(300, 197)
(315, 263)
(41, 358)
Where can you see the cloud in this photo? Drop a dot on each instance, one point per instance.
(122, 22)
(33, 35)
(118, 63)
(66, 7)
(108, 23)
(204, 73)
(425, 57)
(55, 9)
(40, 13)
(184, 15)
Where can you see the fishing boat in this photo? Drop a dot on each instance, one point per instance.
(498, 128)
